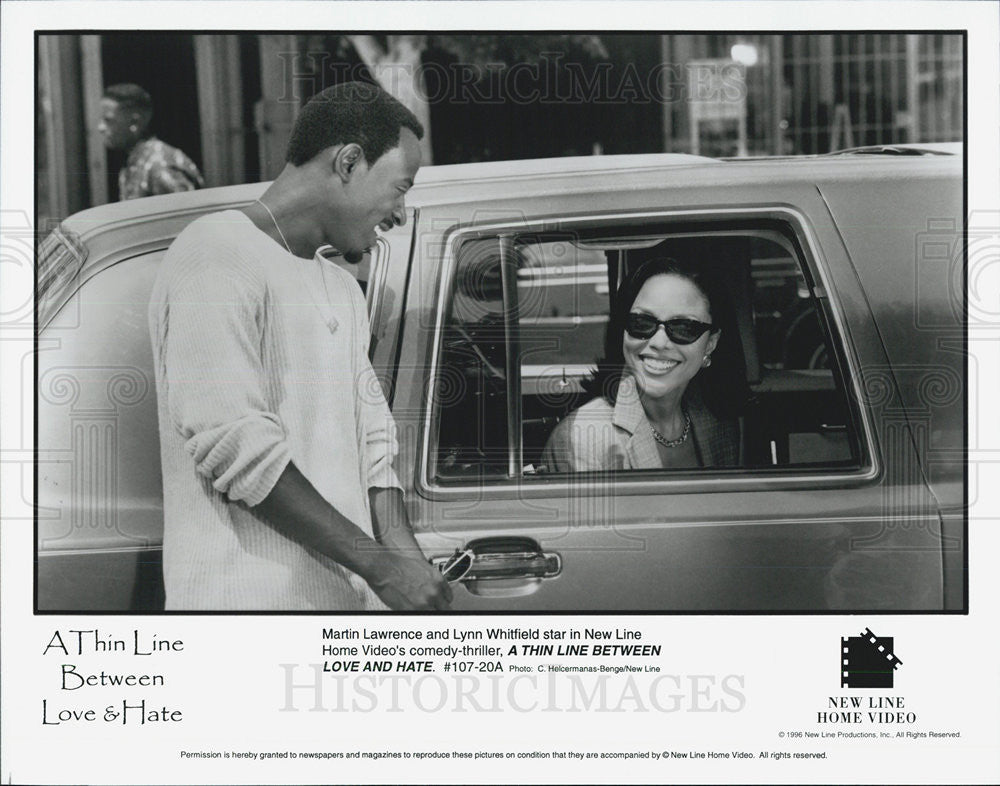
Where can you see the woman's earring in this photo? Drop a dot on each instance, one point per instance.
(133, 128)
(706, 361)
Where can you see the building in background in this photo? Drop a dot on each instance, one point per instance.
(815, 93)
(229, 101)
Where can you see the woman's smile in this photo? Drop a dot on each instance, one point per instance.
(657, 366)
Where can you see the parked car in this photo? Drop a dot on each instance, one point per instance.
(488, 309)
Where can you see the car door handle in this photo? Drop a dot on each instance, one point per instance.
(506, 566)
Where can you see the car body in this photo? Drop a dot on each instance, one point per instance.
(487, 311)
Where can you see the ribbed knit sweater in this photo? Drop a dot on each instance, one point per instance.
(261, 359)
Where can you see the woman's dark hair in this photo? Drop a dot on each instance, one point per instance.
(723, 385)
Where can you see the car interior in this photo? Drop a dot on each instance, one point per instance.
(526, 325)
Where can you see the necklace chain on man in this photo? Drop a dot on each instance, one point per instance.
(328, 319)
(673, 443)
(275, 222)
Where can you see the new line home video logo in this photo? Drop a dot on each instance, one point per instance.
(867, 661)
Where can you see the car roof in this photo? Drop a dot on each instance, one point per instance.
(540, 179)
(151, 222)
(458, 182)
(567, 165)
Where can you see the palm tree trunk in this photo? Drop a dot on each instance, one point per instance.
(398, 69)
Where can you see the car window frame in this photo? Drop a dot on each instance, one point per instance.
(656, 481)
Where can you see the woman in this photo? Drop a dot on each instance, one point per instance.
(151, 167)
(669, 325)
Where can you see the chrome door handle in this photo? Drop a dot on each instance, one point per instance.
(507, 558)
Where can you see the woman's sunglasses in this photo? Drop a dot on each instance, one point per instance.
(680, 331)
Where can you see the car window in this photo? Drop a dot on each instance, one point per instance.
(525, 326)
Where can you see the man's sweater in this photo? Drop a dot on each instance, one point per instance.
(261, 359)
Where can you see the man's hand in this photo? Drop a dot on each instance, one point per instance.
(402, 569)
(409, 584)
(393, 566)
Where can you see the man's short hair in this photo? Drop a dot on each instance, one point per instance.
(130, 97)
(350, 112)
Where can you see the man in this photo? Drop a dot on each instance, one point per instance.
(151, 166)
(276, 440)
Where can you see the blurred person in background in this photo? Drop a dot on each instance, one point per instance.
(151, 166)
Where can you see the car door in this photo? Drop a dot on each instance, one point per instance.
(854, 530)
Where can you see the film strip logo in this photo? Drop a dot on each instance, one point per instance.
(867, 661)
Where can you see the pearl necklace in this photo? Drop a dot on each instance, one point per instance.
(673, 443)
